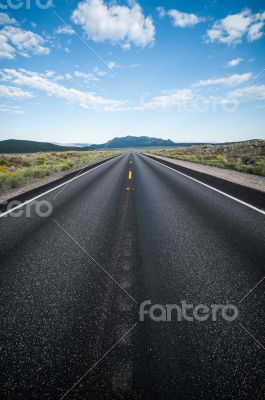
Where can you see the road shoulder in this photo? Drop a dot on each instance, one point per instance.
(243, 193)
(249, 181)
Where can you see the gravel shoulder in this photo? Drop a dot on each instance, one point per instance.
(247, 180)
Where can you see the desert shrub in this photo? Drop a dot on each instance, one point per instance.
(3, 161)
(36, 166)
(26, 163)
(249, 160)
(40, 160)
(64, 167)
(232, 157)
(230, 165)
(11, 182)
(252, 169)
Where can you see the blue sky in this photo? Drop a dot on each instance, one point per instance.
(86, 71)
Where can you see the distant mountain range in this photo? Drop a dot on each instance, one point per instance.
(27, 146)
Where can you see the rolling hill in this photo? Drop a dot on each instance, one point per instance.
(27, 146)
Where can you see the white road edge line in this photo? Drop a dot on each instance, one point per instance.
(213, 188)
(51, 190)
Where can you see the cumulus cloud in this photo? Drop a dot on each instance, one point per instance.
(11, 109)
(180, 19)
(6, 20)
(231, 80)
(87, 76)
(234, 62)
(256, 92)
(14, 39)
(183, 20)
(40, 82)
(126, 25)
(13, 92)
(112, 65)
(68, 76)
(233, 28)
(194, 98)
(175, 98)
(65, 30)
(161, 12)
(6, 50)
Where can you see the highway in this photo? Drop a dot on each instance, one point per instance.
(129, 231)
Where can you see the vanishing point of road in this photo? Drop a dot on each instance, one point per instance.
(128, 231)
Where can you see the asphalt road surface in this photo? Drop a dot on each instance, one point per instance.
(129, 231)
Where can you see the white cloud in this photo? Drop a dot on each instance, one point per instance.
(255, 31)
(37, 81)
(136, 65)
(6, 20)
(179, 98)
(180, 19)
(161, 12)
(256, 92)
(126, 46)
(6, 50)
(184, 20)
(112, 65)
(11, 109)
(192, 99)
(13, 92)
(99, 72)
(231, 80)
(65, 30)
(118, 24)
(68, 76)
(50, 74)
(233, 28)
(234, 62)
(13, 39)
(86, 76)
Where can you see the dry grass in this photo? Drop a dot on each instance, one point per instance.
(248, 157)
(16, 170)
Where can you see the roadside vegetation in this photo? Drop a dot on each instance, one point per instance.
(248, 157)
(16, 170)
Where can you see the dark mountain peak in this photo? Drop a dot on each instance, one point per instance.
(136, 142)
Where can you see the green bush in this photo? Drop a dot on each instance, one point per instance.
(250, 164)
(37, 166)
